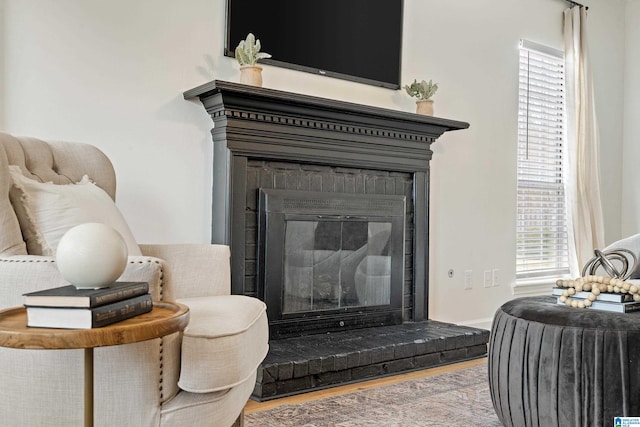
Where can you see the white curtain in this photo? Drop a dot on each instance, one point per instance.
(583, 171)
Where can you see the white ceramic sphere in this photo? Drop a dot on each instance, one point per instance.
(91, 255)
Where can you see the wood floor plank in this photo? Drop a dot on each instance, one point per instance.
(253, 406)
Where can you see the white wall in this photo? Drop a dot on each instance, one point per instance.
(631, 202)
(2, 49)
(475, 58)
(608, 55)
(112, 73)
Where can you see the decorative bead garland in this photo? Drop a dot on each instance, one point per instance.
(595, 285)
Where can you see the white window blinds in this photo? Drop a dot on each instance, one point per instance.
(542, 240)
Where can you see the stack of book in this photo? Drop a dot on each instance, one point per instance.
(69, 308)
(606, 301)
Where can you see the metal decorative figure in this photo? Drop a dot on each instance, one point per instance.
(604, 259)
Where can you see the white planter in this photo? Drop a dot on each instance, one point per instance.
(251, 75)
(425, 107)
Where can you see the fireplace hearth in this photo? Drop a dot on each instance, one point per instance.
(325, 205)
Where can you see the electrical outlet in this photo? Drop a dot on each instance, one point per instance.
(488, 277)
(468, 279)
(496, 277)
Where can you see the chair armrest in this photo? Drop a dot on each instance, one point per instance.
(28, 273)
(146, 269)
(192, 270)
(20, 274)
(173, 271)
(226, 340)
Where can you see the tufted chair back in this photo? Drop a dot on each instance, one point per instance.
(57, 162)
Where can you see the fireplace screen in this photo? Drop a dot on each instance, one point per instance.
(330, 258)
(334, 263)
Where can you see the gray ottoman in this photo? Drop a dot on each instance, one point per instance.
(551, 365)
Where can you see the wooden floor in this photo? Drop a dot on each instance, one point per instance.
(253, 406)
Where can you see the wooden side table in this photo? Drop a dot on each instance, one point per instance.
(165, 319)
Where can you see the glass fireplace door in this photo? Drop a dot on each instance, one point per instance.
(329, 261)
(333, 263)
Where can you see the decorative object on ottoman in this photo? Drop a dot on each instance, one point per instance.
(248, 53)
(594, 284)
(550, 366)
(590, 292)
(91, 255)
(604, 259)
(423, 91)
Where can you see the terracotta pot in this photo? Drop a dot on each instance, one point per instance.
(251, 75)
(425, 107)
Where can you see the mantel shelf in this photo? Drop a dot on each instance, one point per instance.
(435, 125)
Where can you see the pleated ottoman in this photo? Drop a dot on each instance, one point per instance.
(552, 365)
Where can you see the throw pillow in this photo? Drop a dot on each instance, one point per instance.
(46, 211)
(11, 242)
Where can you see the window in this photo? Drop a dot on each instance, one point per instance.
(542, 238)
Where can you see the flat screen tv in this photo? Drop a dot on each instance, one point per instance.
(358, 40)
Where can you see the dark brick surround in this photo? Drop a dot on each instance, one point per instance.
(323, 178)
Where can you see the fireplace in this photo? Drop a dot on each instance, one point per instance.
(271, 140)
(325, 205)
(330, 261)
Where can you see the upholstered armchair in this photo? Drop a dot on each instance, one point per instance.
(201, 377)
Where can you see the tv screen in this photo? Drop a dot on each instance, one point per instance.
(358, 40)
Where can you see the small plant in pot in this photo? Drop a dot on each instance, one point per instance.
(423, 91)
(248, 53)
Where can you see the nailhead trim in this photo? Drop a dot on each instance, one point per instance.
(161, 293)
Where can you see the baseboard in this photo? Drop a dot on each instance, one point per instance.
(484, 323)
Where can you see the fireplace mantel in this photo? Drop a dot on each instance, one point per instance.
(335, 132)
(265, 124)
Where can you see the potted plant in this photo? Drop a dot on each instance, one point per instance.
(248, 53)
(423, 91)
